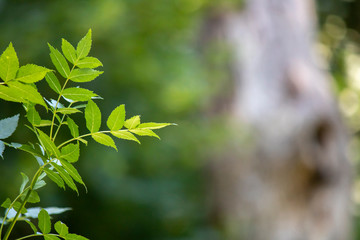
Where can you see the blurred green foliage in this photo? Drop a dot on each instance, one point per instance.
(152, 63)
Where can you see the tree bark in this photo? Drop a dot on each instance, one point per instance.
(292, 179)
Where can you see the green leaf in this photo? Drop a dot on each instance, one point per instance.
(70, 152)
(132, 122)
(32, 115)
(59, 62)
(39, 184)
(68, 110)
(31, 73)
(6, 203)
(48, 144)
(83, 141)
(25, 180)
(104, 139)
(84, 74)
(50, 237)
(69, 51)
(92, 117)
(153, 125)
(117, 118)
(10, 94)
(74, 129)
(44, 123)
(9, 64)
(84, 46)
(17, 206)
(53, 82)
(33, 198)
(33, 227)
(78, 94)
(72, 236)
(8, 126)
(65, 176)
(55, 177)
(70, 169)
(28, 92)
(61, 228)
(44, 222)
(144, 132)
(125, 135)
(89, 62)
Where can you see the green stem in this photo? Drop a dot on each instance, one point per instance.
(57, 102)
(62, 120)
(38, 235)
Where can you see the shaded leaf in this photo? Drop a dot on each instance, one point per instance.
(65, 176)
(55, 177)
(72, 236)
(31, 73)
(2, 148)
(104, 139)
(8, 126)
(92, 117)
(84, 74)
(32, 115)
(78, 94)
(70, 169)
(9, 63)
(117, 118)
(33, 227)
(48, 144)
(39, 184)
(59, 62)
(50, 237)
(33, 197)
(25, 180)
(125, 135)
(6, 203)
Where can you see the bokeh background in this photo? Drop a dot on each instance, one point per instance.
(154, 63)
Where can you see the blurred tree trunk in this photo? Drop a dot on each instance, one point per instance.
(291, 181)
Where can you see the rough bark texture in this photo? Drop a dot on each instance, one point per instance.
(293, 182)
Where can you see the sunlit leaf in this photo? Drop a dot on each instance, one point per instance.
(55, 177)
(73, 127)
(70, 152)
(68, 110)
(65, 176)
(50, 237)
(78, 94)
(61, 228)
(84, 46)
(84, 74)
(28, 92)
(144, 132)
(89, 62)
(9, 63)
(92, 117)
(44, 222)
(53, 82)
(72, 236)
(68, 51)
(117, 118)
(132, 122)
(10, 94)
(59, 62)
(104, 139)
(31, 73)
(153, 125)
(48, 144)
(71, 170)
(125, 135)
